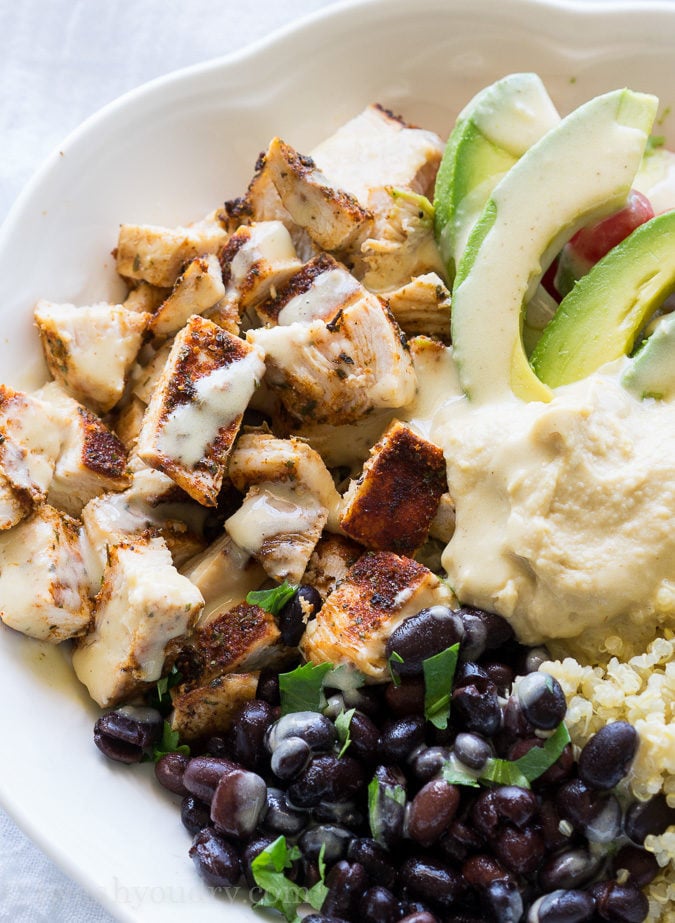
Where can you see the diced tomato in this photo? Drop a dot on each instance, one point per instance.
(593, 242)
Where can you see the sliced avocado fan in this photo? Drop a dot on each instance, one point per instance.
(651, 371)
(600, 318)
(491, 133)
(580, 171)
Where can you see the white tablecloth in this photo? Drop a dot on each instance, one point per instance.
(61, 60)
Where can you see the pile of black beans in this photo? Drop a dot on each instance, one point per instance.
(564, 851)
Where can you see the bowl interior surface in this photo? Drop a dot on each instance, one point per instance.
(167, 154)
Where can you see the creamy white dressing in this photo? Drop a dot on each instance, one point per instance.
(220, 397)
(269, 243)
(327, 294)
(272, 510)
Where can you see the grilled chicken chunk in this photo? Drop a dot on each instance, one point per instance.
(146, 375)
(43, 584)
(336, 372)
(224, 574)
(15, 504)
(152, 504)
(143, 609)
(443, 524)
(205, 711)
(391, 506)
(156, 254)
(194, 414)
(195, 291)
(128, 422)
(89, 351)
(331, 559)
(30, 442)
(332, 217)
(319, 291)
(91, 461)
(422, 307)
(377, 594)
(257, 261)
(145, 298)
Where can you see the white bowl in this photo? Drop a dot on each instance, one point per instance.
(168, 153)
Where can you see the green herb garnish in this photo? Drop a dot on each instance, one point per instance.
(302, 688)
(342, 723)
(377, 792)
(457, 776)
(281, 893)
(394, 658)
(169, 744)
(439, 672)
(426, 209)
(159, 697)
(272, 600)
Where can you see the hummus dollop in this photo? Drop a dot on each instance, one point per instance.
(564, 511)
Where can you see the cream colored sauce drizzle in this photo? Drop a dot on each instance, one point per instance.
(220, 398)
(328, 292)
(269, 511)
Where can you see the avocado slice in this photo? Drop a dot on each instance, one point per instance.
(580, 170)
(651, 371)
(491, 133)
(600, 318)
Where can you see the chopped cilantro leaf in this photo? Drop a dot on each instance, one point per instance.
(439, 672)
(455, 775)
(536, 761)
(425, 207)
(159, 697)
(342, 723)
(281, 893)
(395, 658)
(302, 688)
(378, 791)
(503, 772)
(169, 744)
(272, 600)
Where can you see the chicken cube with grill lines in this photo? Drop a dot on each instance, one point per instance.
(209, 710)
(90, 350)
(422, 306)
(391, 506)
(43, 583)
(376, 595)
(91, 460)
(331, 559)
(196, 290)
(142, 612)
(195, 412)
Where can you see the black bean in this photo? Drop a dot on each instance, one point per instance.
(515, 725)
(649, 817)
(479, 871)
(460, 840)
(542, 699)
(314, 728)
(216, 860)
(469, 673)
(327, 778)
(562, 907)
(420, 916)
(519, 851)
(619, 903)
(346, 883)
(280, 816)
(194, 814)
(322, 918)
(503, 901)
(339, 812)
(533, 658)
(253, 848)
(268, 688)
(376, 860)
(570, 869)
(557, 773)
(169, 770)
(238, 803)
(549, 821)
(494, 631)
(423, 635)
(501, 675)
(365, 737)
(203, 773)
(507, 803)
(607, 756)
(477, 710)
(331, 837)
(379, 905)
(387, 805)
(290, 757)
(246, 738)
(216, 746)
(407, 698)
(431, 811)
(426, 762)
(293, 617)
(124, 734)
(400, 737)
(640, 864)
(596, 815)
(472, 750)
(431, 880)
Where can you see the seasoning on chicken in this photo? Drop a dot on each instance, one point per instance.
(146, 373)
(128, 420)
(257, 261)
(331, 559)
(422, 306)
(43, 584)
(143, 610)
(145, 298)
(331, 216)
(391, 505)
(336, 372)
(90, 350)
(156, 254)
(196, 290)
(204, 711)
(195, 412)
(30, 441)
(91, 460)
(224, 574)
(377, 594)
(318, 291)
